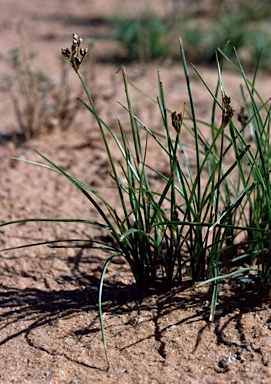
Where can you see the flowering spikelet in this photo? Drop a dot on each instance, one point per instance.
(242, 116)
(76, 54)
(177, 120)
(227, 112)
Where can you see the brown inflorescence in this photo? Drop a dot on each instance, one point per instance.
(176, 121)
(76, 54)
(227, 112)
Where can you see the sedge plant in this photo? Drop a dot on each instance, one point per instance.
(185, 227)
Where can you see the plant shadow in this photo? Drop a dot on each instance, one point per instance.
(24, 311)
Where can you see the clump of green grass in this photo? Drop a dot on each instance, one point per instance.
(144, 37)
(201, 210)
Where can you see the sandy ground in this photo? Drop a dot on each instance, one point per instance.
(49, 321)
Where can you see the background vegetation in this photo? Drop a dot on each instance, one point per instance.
(243, 25)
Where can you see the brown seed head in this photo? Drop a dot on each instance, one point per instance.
(242, 116)
(227, 112)
(77, 54)
(176, 121)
